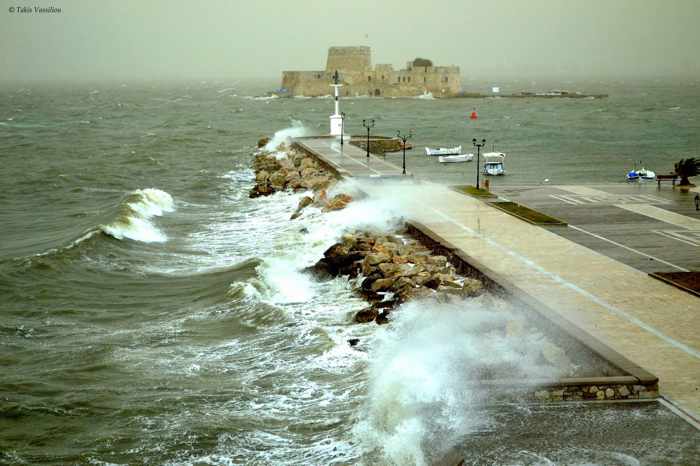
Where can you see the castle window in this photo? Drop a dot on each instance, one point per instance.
(382, 77)
(446, 78)
(369, 78)
(425, 79)
(409, 79)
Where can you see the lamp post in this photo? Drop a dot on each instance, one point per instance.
(342, 129)
(369, 124)
(478, 153)
(404, 138)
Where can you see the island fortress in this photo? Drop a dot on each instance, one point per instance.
(359, 77)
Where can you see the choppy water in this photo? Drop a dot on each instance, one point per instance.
(152, 313)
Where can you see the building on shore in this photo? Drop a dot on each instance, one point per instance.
(359, 77)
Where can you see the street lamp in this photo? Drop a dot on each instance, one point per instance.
(404, 138)
(478, 153)
(342, 129)
(369, 124)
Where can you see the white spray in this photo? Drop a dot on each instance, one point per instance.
(424, 392)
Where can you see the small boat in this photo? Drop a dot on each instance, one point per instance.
(444, 151)
(641, 174)
(493, 163)
(455, 158)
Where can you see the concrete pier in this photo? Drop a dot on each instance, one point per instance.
(348, 160)
(589, 285)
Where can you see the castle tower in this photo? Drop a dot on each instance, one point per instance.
(349, 59)
(336, 118)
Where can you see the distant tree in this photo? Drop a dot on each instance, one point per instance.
(422, 62)
(687, 168)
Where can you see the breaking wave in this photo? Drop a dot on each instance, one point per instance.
(135, 213)
(284, 135)
(426, 377)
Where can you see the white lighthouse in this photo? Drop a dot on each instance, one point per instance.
(337, 117)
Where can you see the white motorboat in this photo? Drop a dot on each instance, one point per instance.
(455, 158)
(444, 151)
(641, 174)
(493, 163)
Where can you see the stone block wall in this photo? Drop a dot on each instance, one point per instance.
(348, 59)
(605, 392)
(354, 66)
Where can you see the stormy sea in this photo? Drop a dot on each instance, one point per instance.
(152, 313)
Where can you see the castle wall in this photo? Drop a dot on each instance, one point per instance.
(359, 78)
(348, 59)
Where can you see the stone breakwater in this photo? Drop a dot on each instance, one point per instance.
(390, 270)
(387, 269)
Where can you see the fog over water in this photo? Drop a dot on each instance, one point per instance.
(151, 312)
(130, 39)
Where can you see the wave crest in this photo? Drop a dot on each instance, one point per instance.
(135, 213)
(282, 136)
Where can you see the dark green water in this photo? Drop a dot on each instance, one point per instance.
(152, 314)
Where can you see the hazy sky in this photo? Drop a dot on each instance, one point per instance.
(154, 39)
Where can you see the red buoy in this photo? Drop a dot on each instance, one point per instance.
(473, 116)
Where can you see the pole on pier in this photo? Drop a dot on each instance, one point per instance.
(342, 130)
(369, 124)
(478, 153)
(404, 138)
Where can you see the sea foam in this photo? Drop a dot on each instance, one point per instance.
(424, 392)
(284, 135)
(135, 213)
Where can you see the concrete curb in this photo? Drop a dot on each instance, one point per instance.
(495, 283)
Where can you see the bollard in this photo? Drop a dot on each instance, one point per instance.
(697, 202)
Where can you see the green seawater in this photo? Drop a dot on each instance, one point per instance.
(151, 313)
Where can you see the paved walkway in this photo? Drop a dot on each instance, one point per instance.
(650, 229)
(349, 160)
(651, 323)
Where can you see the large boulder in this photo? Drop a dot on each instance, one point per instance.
(294, 181)
(262, 176)
(315, 182)
(278, 180)
(368, 281)
(337, 202)
(366, 315)
(308, 172)
(382, 284)
(266, 162)
(340, 260)
(263, 189)
(389, 269)
(377, 258)
(308, 162)
(303, 203)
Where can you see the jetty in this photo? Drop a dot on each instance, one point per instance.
(648, 327)
(348, 160)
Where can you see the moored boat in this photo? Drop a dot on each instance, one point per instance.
(455, 158)
(444, 151)
(493, 163)
(642, 174)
